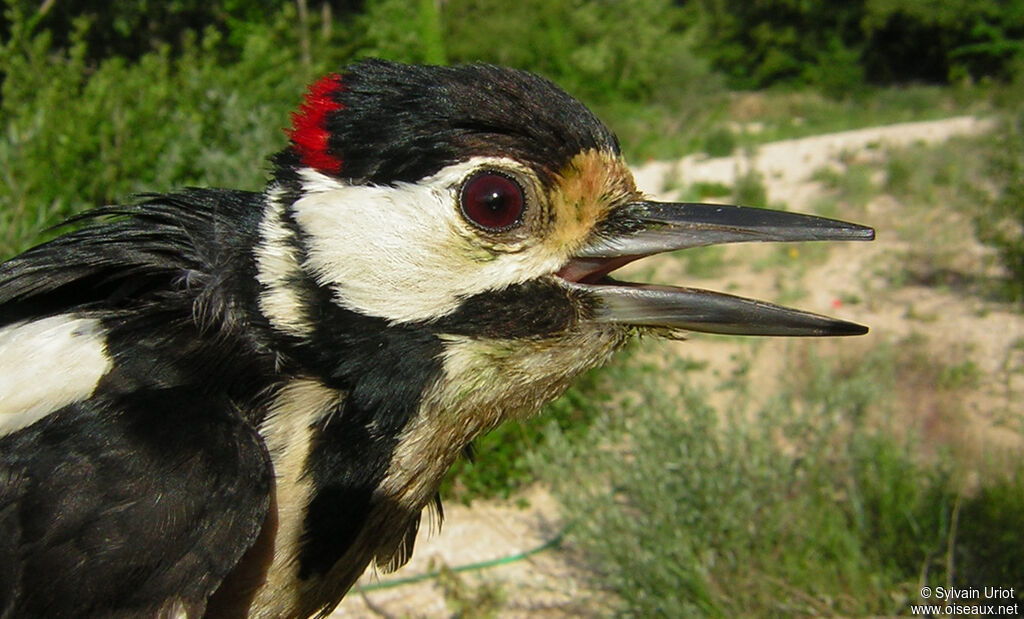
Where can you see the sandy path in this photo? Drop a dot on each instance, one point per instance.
(788, 165)
(546, 584)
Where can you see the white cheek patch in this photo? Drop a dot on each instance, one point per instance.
(403, 252)
(47, 364)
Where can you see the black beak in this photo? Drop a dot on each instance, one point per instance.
(644, 228)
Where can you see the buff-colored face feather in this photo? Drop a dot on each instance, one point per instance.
(585, 192)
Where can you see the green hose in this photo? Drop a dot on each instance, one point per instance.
(469, 567)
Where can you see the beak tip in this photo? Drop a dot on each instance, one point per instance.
(867, 234)
(843, 328)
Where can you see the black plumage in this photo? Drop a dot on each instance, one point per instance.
(117, 506)
(403, 123)
(126, 492)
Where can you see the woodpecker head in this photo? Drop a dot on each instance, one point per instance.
(482, 209)
(486, 202)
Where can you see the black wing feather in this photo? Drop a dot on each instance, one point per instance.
(149, 507)
(142, 498)
(162, 245)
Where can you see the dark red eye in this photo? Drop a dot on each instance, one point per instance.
(492, 201)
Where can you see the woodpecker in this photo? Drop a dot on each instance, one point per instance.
(223, 403)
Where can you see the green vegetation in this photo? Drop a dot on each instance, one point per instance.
(77, 134)
(710, 190)
(836, 47)
(750, 189)
(1001, 222)
(807, 502)
(719, 142)
(853, 185)
(466, 600)
(941, 196)
(779, 114)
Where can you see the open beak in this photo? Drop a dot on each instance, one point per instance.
(644, 228)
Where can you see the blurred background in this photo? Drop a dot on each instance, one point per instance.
(713, 477)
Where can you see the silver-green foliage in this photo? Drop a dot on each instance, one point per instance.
(803, 505)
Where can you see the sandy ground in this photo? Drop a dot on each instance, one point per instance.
(547, 583)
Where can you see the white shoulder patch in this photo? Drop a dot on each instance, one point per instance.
(276, 266)
(47, 364)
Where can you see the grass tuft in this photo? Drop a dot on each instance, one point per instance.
(805, 504)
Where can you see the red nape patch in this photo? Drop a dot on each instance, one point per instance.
(309, 131)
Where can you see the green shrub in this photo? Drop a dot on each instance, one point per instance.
(130, 29)
(989, 536)
(588, 48)
(719, 143)
(78, 136)
(837, 47)
(750, 189)
(637, 70)
(797, 507)
(392, 29)
(853, 185)
(1002, 223)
